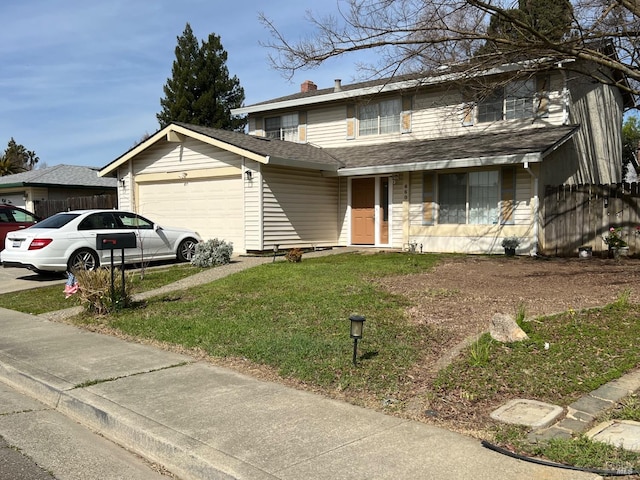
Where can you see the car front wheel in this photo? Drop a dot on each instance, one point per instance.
(83, 259)
(186, 249)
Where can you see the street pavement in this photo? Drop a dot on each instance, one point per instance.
(40, 443)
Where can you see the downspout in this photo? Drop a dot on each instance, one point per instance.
(536, 211)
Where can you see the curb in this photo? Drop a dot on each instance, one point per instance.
(182, 455)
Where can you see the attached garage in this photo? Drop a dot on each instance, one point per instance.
(252, 191)
(211, 206)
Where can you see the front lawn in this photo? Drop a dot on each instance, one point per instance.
(294, 317)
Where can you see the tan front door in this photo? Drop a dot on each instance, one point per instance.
(363, 217)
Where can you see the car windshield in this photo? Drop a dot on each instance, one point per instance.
(56, 221)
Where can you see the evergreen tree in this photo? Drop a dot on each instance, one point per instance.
(16, 158)
(550, 19)
(200, 90)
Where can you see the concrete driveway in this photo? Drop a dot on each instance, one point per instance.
(14, 279)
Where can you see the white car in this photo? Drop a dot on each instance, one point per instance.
(86, 239)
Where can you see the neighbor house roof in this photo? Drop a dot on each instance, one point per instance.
(59, 176)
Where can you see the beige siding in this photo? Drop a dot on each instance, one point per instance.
(180, 157)
(125, 191)
(599, 147)
(524, 193)
(397, 211)
(300, 208)
(327, 126)
(253, 207)
(343, 210)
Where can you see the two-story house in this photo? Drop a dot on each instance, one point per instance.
(435, 162)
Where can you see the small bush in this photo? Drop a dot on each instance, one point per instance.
(94, 290)
(211, 253)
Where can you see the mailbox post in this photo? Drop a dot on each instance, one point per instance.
(113, 241)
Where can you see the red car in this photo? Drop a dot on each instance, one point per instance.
(14, 218)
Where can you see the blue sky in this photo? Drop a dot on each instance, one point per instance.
(81, 81)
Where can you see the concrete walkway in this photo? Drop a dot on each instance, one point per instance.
(205, 422)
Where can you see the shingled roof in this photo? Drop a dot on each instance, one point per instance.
(268, 147)
(488, 145)
(460, 151)
(59, 176)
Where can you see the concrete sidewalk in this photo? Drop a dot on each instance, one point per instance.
(205, 422)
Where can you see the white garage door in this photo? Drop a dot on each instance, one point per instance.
(212, 207)
(15, 199)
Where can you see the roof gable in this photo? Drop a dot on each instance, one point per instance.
(260, 149)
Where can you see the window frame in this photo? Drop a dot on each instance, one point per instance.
(514, 101)
(500, 210)
(284, 127)
(379, 119)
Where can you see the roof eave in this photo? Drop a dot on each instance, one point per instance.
(382, 87)
(533, 157)
(306, 164)
(169, 132)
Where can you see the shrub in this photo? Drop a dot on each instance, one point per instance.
(94, 290)
(211, 253)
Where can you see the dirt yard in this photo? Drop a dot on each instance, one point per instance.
(462, 294)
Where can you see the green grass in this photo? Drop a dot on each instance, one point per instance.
(294, 317)
(52, 298)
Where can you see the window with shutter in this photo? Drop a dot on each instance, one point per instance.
(351, 121)
(302, 127)
(508, 195)
(428, 199)
(406, 115)
(542, 96)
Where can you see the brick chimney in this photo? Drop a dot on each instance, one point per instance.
(308, 86)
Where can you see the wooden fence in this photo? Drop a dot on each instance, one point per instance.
(581, 215)
(46, 208)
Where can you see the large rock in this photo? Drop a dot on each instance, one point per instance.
(504, 328)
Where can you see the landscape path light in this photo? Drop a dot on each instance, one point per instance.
(357, 324)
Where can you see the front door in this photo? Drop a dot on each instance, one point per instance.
(363, 211)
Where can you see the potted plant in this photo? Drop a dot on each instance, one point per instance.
(617, 246)
(510, 244)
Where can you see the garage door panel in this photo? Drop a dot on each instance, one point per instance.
(214, 208)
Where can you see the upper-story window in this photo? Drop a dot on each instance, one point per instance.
(515, 100)
(284, 127)
(380, 117)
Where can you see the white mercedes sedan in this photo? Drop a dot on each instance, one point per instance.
(86, 239)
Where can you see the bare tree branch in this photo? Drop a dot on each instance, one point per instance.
(418, 36)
